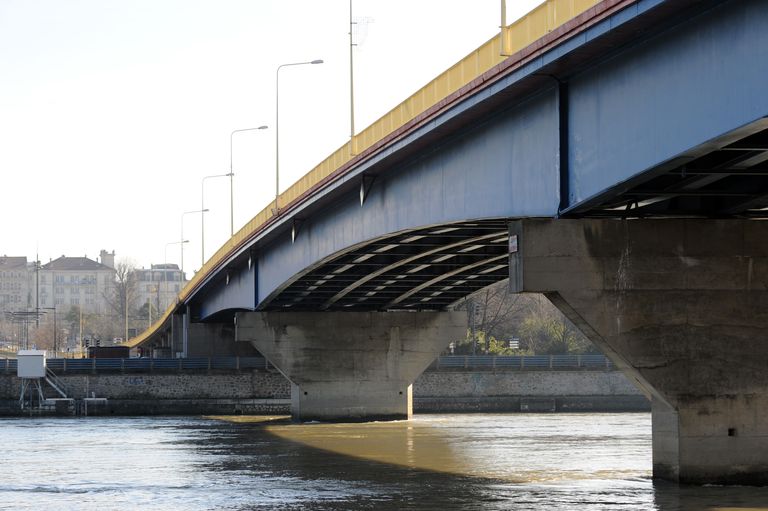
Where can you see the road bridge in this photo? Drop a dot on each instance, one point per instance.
(616, 160)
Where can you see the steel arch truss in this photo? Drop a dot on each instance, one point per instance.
(423, 269)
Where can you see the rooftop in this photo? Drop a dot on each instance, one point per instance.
(65, 263)
(13, 263)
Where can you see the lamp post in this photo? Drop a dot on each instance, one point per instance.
(149, 297)
(149, 308)
(351, 82)
(181, 242)
(277, 123)
(231, 175)
(165, 270)
(202, 208)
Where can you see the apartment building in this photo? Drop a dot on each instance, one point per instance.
(15, 291)
(77, 281)
(159, 285)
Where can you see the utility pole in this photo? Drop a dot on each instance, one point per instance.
(351, 82)
(37, 290)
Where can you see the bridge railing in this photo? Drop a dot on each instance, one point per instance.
(96, 365)
(529, 362)
(447, 363)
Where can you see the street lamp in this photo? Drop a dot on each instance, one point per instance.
(165, 270)
(231, 175)
(277, 124)
(351, 82)
(181, 243)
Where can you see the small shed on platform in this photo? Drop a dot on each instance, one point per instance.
(31, 364)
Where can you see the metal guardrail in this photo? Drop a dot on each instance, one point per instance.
(453, 362)
(96, 365)
(533, 362)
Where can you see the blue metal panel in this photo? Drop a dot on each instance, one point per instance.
(240, 293)
(686, 86)
(507, 167)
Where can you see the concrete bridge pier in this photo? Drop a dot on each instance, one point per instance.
(682, 307)
(215, 340)
(350, 366)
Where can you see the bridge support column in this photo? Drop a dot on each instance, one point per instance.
(215, 340)
(350, 366)
(682, 307)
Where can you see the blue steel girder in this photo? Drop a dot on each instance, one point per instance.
(504, 167)
(656, 109)
(233, 290)
(675, 124)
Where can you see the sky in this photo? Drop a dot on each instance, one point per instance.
(113, 111)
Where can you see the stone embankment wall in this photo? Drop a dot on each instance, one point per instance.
(269, 392)
(526, 391)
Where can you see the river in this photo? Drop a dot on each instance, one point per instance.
(434, 462)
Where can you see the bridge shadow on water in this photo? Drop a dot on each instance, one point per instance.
(387, 465)
(432, 464)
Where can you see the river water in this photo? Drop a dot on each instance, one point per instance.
(434, 462)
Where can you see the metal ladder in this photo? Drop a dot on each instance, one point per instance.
(55, 382)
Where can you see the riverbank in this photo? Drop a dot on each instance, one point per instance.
(268, 392)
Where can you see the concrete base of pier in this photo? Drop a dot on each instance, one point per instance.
(681, 306)
(350, 366)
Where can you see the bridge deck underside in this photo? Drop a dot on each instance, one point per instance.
(727, 177)
(422, 269)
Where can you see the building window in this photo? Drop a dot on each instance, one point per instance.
(74, 301)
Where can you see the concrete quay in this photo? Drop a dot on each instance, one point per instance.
(264, 392)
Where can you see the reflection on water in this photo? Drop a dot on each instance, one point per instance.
(442, 462)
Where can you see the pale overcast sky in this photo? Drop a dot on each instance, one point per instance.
(112, 111)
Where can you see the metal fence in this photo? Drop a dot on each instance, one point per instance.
(476, 362)
(534, 362)
(96, 365)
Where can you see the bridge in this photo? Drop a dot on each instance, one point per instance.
(614, 158)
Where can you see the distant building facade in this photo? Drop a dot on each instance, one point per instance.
(15, 291)
(87, 287)
(159, 285)
(80, 282)
(30, 291)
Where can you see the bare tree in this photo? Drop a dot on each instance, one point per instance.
(546, 331)
(490, 315)
(495, 316)
(122, 298)
(42, 336)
